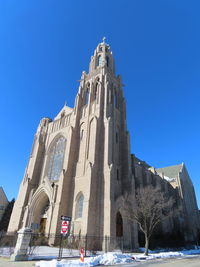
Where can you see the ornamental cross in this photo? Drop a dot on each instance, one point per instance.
(104, 38)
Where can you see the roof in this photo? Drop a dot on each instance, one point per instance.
(65, 110)
(171, 171)
(141, 162)
(2, 193)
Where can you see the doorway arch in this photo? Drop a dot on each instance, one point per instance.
(40, 212)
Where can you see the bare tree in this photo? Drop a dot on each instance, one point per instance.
(150, 207)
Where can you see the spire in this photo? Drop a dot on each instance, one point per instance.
(102, 58)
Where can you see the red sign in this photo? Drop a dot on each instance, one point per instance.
(64, 227)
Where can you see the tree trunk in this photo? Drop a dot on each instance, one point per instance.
(146, 245)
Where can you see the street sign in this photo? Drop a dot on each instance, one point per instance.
(66, 218)
(64, 227)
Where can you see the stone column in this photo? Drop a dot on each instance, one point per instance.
(23, 240)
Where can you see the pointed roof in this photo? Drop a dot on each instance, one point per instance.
(65, 110)
(171, 171)
(3, 195)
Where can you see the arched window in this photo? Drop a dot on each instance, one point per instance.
(117, 138)
(117, 174)
(96, 87)
(95, 90)
(56, 156)
(119, 225)
(81, 134)
(107, 61)
(79, 207)
(87, 94)
(115, 98)
(99, 60)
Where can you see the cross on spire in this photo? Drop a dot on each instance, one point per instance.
(104, 38)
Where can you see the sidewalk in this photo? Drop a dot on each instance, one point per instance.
(5, 262)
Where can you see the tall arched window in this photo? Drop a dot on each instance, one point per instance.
(107, 61)
(79, 207)
(95, 90)
(119, 225)
(56, 156)
(115, 98)
(87, 93)
(99, 60)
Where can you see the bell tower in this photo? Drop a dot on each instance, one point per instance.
(103, 170)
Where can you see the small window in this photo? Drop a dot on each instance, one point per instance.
(107, 61)
(115, 99)
(117, 138)
(87, 94)
(117, 174)
(86, 97)
(95, 90)
(79, 207)
(82, 133)
(99, 61)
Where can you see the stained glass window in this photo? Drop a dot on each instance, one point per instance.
(79, 206)
(56, 157)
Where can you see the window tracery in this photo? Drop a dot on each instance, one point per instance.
(56, 157)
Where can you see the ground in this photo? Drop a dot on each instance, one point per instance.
(192, 261)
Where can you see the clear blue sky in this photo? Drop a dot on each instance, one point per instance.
(46, 44)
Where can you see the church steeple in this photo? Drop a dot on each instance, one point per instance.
(102, 58)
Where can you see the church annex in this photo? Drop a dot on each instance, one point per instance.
(81, 166)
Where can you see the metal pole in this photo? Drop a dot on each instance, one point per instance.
(60, 248)
(85, 245)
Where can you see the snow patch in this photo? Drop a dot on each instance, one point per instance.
(169, 179)
(105, 259)
(115, 258)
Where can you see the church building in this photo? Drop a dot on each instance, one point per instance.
(80, 165)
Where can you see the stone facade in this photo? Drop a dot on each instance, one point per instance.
(175, 182)
(81, 166)
(3, 202)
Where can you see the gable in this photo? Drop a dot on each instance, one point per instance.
(64, 111)
(170, 171)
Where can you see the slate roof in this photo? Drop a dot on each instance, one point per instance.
(171, 171)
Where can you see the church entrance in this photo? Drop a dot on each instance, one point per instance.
(40, 213)
(42, 228)
(119, 225)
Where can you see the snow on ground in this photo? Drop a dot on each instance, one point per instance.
(49, 253)
(104, 259)
(6, 252)
(115, 258)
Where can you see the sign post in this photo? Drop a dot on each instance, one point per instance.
(65, 230)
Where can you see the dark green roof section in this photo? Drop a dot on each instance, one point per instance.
(171, 171)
